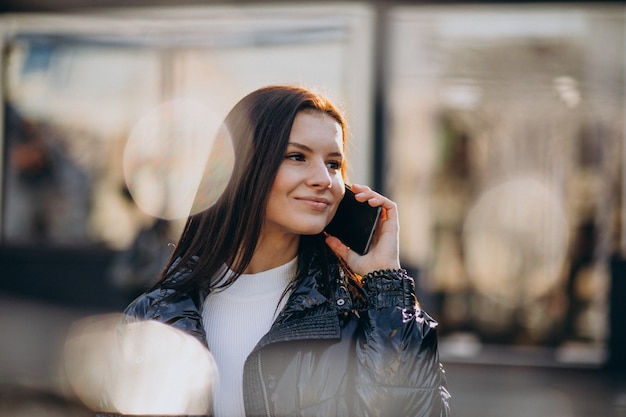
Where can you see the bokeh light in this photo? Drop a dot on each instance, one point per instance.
(515, 240)
(171, 151)
(144, 367)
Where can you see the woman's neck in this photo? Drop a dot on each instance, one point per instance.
(273, 252)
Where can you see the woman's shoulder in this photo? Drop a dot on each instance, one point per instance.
(162, 296)
(146, 304)
(179, 309)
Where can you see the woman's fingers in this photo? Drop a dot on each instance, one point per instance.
(384, 252)
(338, 247)
(363, 193)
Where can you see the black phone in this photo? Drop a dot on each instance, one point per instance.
(354, 223)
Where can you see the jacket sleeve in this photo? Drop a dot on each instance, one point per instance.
(398, 372)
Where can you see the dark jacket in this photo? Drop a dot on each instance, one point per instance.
(329, 352)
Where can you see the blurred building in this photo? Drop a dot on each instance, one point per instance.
(499, 130)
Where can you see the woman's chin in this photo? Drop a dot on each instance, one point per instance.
(311, 231)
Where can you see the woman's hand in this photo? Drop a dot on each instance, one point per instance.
(384, 250)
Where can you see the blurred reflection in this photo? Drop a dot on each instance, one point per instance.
(49, 193)
(138, 267)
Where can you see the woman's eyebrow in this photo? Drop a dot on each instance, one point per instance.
(301, 146)
(308, 149)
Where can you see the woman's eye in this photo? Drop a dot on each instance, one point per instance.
(334, 164)
(295, 156)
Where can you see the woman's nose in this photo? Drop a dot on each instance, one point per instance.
(319, 177)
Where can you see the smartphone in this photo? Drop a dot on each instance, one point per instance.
(354, 223)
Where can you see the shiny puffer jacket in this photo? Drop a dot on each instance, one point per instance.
(329, 353)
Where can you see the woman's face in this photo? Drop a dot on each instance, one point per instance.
(309, 185)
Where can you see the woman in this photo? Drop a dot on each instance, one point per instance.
(298, 324)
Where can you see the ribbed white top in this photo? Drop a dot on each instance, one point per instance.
(235, 319)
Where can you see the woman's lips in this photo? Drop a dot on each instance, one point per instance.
(315, 203)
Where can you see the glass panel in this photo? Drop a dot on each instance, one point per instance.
(80, 90)
(504, 156)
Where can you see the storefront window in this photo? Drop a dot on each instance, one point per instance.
(107, 115)
(505, 145)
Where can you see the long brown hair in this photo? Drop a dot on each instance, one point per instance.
(227, 232)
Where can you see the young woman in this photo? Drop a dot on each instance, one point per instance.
(298, 323)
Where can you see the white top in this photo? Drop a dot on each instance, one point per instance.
(235, 319)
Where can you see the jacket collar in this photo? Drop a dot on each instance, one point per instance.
(311, 310)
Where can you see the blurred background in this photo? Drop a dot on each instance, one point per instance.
(498, 127)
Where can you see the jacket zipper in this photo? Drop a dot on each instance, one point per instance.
(263, 387)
